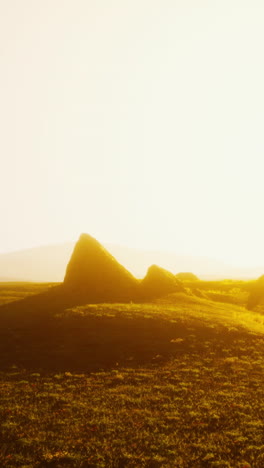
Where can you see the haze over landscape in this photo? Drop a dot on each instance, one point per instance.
(48, 263)
(138, 122)
(131, 239)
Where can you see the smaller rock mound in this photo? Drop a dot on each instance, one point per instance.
(159, 282)
(186, 276)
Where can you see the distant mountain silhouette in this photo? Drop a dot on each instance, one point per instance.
(159, 282)
(94, 273)
(41, 264)
(47, 263)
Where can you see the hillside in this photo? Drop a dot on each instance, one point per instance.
(176, 382)
(45, 330)
(91, 379)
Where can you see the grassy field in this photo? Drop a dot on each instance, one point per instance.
(174, 383)
(13, 291)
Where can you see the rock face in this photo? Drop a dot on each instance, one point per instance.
(159, 282)
(94, 273)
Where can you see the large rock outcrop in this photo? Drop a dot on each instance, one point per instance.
(93, 273)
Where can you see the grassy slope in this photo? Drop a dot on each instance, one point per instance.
(13, 291)
(175, 383)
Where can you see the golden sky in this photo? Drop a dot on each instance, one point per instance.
(139, 122)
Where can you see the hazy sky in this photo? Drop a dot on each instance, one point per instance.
(140, 122)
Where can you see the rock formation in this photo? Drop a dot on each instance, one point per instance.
(159, 282)
(186, 276)
(94, 273)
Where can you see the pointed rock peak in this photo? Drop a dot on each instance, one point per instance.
(85, 236)
(94, 272)
(87, 239)
(88, 244)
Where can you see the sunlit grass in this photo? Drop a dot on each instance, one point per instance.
(202, 410)
(15, 291)
(178, 306)
(175, 383)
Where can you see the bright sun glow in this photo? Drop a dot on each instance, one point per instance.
(138, 122)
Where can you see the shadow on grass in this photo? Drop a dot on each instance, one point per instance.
(38, 333)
